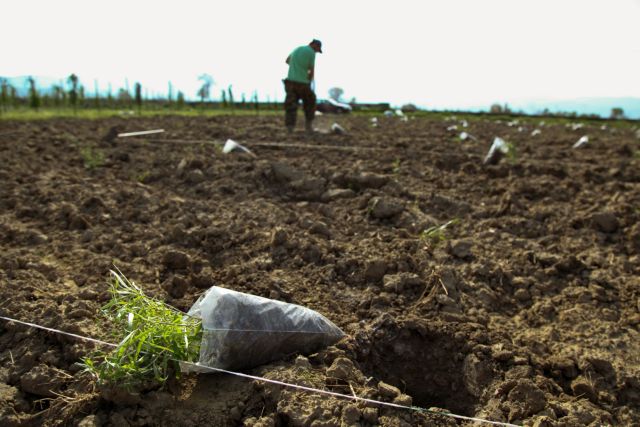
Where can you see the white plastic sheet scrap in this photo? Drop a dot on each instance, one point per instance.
(584, 140)
(466, 135)
(231, 146)
(498, 149)
(336, 128)
(241, 331)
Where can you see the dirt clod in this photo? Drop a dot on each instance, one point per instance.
(605, 221)
(176, 260)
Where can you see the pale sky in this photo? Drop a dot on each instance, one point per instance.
(446, 53)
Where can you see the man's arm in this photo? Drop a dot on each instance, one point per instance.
(311, 74)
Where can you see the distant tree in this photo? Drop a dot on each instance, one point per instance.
(81, 96)
(73, 92)
(495, 109)
(13, 96)
(109, 96)
(45, 100)
(617, 113)
(409, 108)
(243, 100)
(205, 89)
(124, 97)
(180, 100)
(256, 103)
(4, 94)
(170, 93)
(34, 96)
(138, 95)
(96, 98)
(58, 96)
(230, 90)
(223, 96)
(336, 93)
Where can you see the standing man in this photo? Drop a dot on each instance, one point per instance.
(298, 85)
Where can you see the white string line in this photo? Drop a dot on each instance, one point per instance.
(264, 331)
(281, 383)
(81, 337)
(273, 144)
(10, 132)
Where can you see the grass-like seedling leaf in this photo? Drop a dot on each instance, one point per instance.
(512, 155)
(153, 338)
(91, 157)
(436, 234)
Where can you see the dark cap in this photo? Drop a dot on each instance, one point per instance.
(317, 43)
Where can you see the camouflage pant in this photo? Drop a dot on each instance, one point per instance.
(295, 92)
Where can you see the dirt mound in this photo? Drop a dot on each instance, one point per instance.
(524, 308)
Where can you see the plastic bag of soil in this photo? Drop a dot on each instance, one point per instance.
(241, 331)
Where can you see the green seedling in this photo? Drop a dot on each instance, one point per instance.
(91, 157)
(511, 152)
(437, 234)
(143, 176)
(396, 166)
(152, 336)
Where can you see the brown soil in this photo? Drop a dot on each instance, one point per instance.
(527, 313)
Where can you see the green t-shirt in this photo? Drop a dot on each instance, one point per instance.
(301, 60)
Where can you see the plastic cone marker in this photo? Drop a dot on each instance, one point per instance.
(399, 112)
(464, 123)
(231, 145)
(336, 128)
(498, 149)
(581, 142)
(466, 135)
